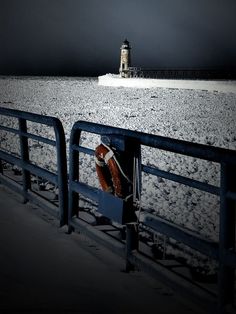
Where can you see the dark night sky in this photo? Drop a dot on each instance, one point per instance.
(83, 37)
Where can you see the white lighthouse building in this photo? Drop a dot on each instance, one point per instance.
(125, 59)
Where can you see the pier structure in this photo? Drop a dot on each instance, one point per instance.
(128, 71)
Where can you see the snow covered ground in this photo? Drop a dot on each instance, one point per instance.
(115, 80)
(199, 116)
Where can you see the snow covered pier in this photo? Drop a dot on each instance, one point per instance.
(116, 81)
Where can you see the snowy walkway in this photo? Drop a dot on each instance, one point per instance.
(42, 269)
(207, 85)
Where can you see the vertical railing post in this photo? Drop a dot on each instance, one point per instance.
(24, 149)
(1, 167)
(131, 243)
(226, 236)
(73, 176)
(129, 151)
(62, 172)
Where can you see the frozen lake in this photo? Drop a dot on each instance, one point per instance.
(199, 116)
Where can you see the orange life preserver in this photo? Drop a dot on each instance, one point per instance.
(110, 176)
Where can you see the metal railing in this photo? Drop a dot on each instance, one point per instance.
(223, 251)
(207, 74)
(59, 178)
(130, 143)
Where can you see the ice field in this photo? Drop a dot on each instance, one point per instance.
(199, 116)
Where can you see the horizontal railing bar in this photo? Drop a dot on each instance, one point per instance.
(48, 175)
(84, 150)
(211, 153)
(231, 195)
(86, 190)
(10, 183)
(39, 138)
(11, 159)
(29, 135)
(7, 129)
(183, 235)
(36, 170)
(50, 121)
(183, 180)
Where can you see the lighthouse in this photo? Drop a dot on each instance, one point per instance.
(125, 59)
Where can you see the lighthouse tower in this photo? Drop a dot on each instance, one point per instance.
(125, 60)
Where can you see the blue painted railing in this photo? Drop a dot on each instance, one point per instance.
(59, 178)
(224, 250)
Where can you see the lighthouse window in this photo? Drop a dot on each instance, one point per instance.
(123, 66)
